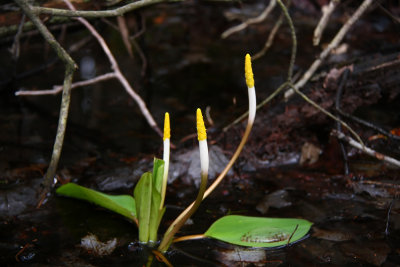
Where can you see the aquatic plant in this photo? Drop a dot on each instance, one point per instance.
(146, 207)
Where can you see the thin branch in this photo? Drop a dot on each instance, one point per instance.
(250, 21)
(333, 44)
(365, 149)
(58, 88)
(327, 11)
(97, 14)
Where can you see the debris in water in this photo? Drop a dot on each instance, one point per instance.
(92, 244)
(309, 154)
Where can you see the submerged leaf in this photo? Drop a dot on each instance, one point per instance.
(258, 232)
(121, 204)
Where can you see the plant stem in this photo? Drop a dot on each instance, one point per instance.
(179, 222)
(188, 237)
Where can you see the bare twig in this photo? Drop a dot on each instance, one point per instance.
(250, 21)
(365, 149)
(333, 44)
(70, 67)
(97, 14)
(327, 11)
(57, 89)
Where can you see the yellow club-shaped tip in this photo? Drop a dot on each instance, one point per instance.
(201, 129)
(167, 128)
(248, 71)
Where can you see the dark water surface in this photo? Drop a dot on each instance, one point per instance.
(108, 145)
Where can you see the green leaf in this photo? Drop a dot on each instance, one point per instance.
(158, 174)
(122, 204)
(155, 215)
(155, 208)
(257, 231)
(142, 194)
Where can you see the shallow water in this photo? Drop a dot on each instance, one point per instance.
(108, 145)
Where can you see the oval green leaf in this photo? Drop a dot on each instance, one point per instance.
(257, 231)
(121, 204)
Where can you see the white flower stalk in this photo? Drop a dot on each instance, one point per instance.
(203, 147)
(248, 72)
(166, 141)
